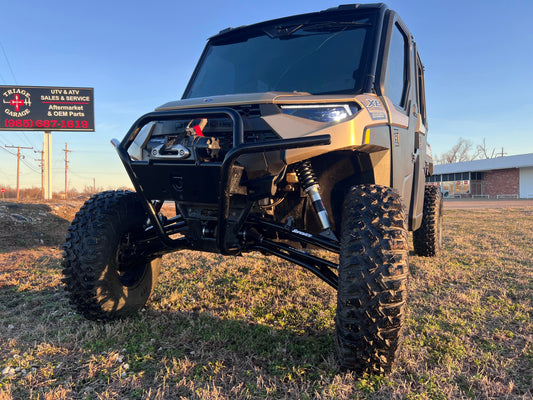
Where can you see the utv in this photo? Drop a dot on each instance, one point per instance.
(300, 133)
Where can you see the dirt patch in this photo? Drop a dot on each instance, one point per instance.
(28, 225)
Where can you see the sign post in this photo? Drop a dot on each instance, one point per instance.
(47, 165)
(39, 108)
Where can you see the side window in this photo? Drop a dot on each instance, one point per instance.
(396, 79)
(421, 91)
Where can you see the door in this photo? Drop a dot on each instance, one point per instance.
(418, 111)
(397, 92)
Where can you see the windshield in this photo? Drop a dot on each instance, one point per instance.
(319, 57)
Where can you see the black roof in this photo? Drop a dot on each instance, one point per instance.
(333, 10)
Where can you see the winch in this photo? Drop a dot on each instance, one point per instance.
(190, 145)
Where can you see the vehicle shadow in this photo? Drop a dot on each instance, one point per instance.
(178, 351)
(171, 350)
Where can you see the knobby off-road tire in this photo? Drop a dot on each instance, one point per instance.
(427, 240)
(103, 278)
(373, 271)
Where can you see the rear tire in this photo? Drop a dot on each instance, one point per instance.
(103, 277)
(427, 240)
(373, 271)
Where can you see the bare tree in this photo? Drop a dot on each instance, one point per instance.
(483, 153)
(461, 151)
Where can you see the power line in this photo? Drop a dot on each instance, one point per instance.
(20, 135)
(95, 172)
(27, 164)
(7, 151)
(8, 137)
(8, 63)
(32, 167)
(5, 140)
(28, 141)
(97, 151)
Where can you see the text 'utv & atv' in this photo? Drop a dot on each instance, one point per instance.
(304, 132)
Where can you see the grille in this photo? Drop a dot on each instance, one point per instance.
(255, 129)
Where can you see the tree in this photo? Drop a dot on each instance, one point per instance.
(461, 151)
(483, 153)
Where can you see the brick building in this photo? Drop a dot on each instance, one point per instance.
(502, 177)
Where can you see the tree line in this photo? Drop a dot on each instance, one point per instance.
(35, 193)
(464, 150)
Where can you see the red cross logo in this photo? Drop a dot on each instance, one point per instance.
(17, 102)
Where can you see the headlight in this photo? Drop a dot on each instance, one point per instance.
(321, 112)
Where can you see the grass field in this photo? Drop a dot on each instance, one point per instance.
(254, 327)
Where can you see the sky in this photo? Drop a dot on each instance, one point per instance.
(137, 55)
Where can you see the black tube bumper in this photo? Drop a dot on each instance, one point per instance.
(224, 169)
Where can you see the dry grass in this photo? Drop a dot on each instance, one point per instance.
(257, 327)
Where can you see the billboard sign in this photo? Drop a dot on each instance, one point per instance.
(39, 108)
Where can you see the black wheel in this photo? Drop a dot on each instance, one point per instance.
(427, 240)
(373, 271)
(104, 278)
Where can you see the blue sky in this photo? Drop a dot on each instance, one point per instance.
(138, 55)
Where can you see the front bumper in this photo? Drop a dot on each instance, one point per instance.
(212, 179)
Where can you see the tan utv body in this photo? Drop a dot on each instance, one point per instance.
(305, 132)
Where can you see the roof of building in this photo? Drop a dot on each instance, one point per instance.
(519, 161)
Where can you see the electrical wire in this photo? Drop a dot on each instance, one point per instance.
(27, 139)
(6, 150)
(8, 63)
(23, 133)
(24, 161)
(27, 164)
(94, 173)
(6, 141)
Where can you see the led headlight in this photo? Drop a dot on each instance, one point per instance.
(321, 112)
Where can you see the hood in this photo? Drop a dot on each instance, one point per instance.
(252, 98)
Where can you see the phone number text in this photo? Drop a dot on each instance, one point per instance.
(46, 123)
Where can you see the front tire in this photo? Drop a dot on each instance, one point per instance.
(103, 277)
(373, 271)
(427, 240)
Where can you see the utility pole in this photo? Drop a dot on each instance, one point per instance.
(18, 166)
(41, 161)
(66, 150)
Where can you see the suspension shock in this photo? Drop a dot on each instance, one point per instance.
(309, 182)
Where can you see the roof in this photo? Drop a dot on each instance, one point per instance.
(518, 161)
(342, 8)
